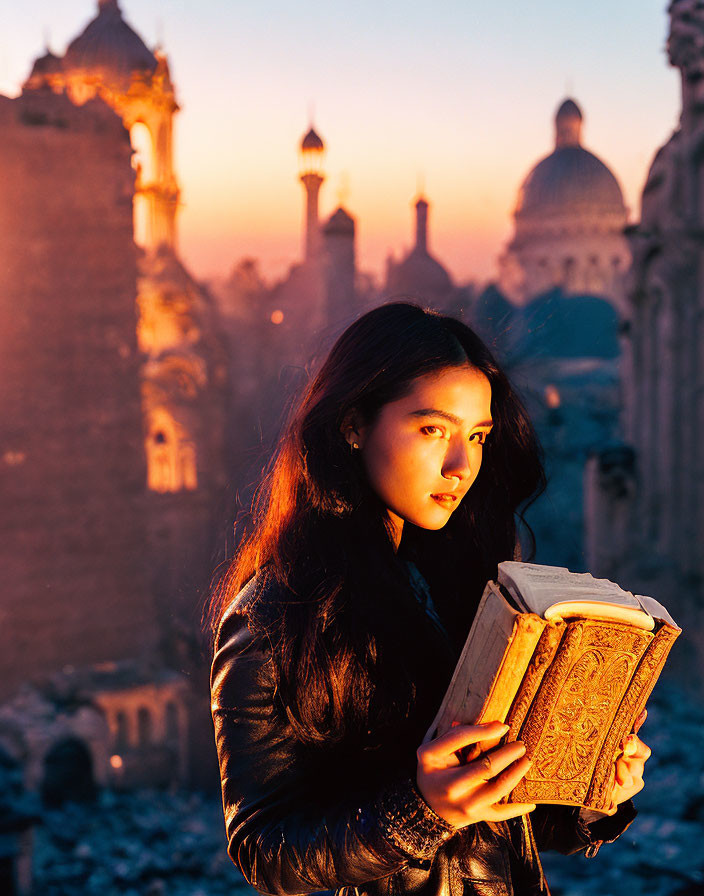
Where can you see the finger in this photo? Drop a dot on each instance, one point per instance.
(638, 786)
(504, 811)
(643, 751)
(485, 768)
(444, 746)
(639, 721)
(623, 776)
(500, 786)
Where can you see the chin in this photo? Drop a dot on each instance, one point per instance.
(431, 525)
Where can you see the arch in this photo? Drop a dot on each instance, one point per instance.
(569, 267)
(171, 722)
(68, 773)
(122, 737)
(144, 163)
(171, 459)
(143, 153)
(145, 727)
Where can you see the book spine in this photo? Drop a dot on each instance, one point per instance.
(539, 664)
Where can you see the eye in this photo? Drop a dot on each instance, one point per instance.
(432, 430)
(478, 438)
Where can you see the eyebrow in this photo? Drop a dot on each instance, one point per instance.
(446, 415)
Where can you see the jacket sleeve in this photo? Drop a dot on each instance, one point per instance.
(282, 834)
(563, 828)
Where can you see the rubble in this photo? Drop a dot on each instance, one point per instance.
(661, 852)
(151, 842)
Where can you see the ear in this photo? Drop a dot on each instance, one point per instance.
(352, 429)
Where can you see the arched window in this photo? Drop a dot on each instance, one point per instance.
(569, 267)
(121, 731)
(144, 164)
(171, 722)
(171, 459)
(144, 727)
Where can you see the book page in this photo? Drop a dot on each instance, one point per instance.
(656, 610)
(538, 587)
(476, 668)
(592, 609)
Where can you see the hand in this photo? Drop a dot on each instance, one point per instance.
(463, 794)
(628, 776)
(630, 764)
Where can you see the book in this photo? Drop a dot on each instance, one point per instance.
(568, 662)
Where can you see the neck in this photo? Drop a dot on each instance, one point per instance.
(397, 523)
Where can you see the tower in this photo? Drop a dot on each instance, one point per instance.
(419, 274)
(312, 151)
(110, 60)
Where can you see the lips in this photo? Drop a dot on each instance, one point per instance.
(445, 498)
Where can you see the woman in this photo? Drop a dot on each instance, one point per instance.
(388, 505)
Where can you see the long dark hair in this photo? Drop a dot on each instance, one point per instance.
(345, 630)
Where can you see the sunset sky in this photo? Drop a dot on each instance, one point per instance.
(457, 98)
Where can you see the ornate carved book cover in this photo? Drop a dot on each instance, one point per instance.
(568, 662)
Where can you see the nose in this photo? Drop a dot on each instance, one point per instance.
(458, 461)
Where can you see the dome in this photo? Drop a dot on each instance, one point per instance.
(48, 64)
(570, 180)
(46, 69)
(419, 274)
(109, 47)
(312, 141)
(340, 222)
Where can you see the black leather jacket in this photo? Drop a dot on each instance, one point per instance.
(298, 821)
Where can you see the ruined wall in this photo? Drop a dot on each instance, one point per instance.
(72, 469)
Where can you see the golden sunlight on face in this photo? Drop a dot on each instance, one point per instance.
(424, 451)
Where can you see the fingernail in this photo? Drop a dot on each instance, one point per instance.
(504, 728)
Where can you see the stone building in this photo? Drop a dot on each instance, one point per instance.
(569, 222)
(73, 546)
(646, 511)
(184, 379)
(115, 401)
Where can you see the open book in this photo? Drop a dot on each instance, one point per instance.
(568, 662)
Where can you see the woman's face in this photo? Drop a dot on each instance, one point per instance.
(423, 452)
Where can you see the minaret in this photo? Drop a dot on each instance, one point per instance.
(312, 151)
(422, 225)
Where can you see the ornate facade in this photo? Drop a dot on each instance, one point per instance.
(184, 375)
(647, 497)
